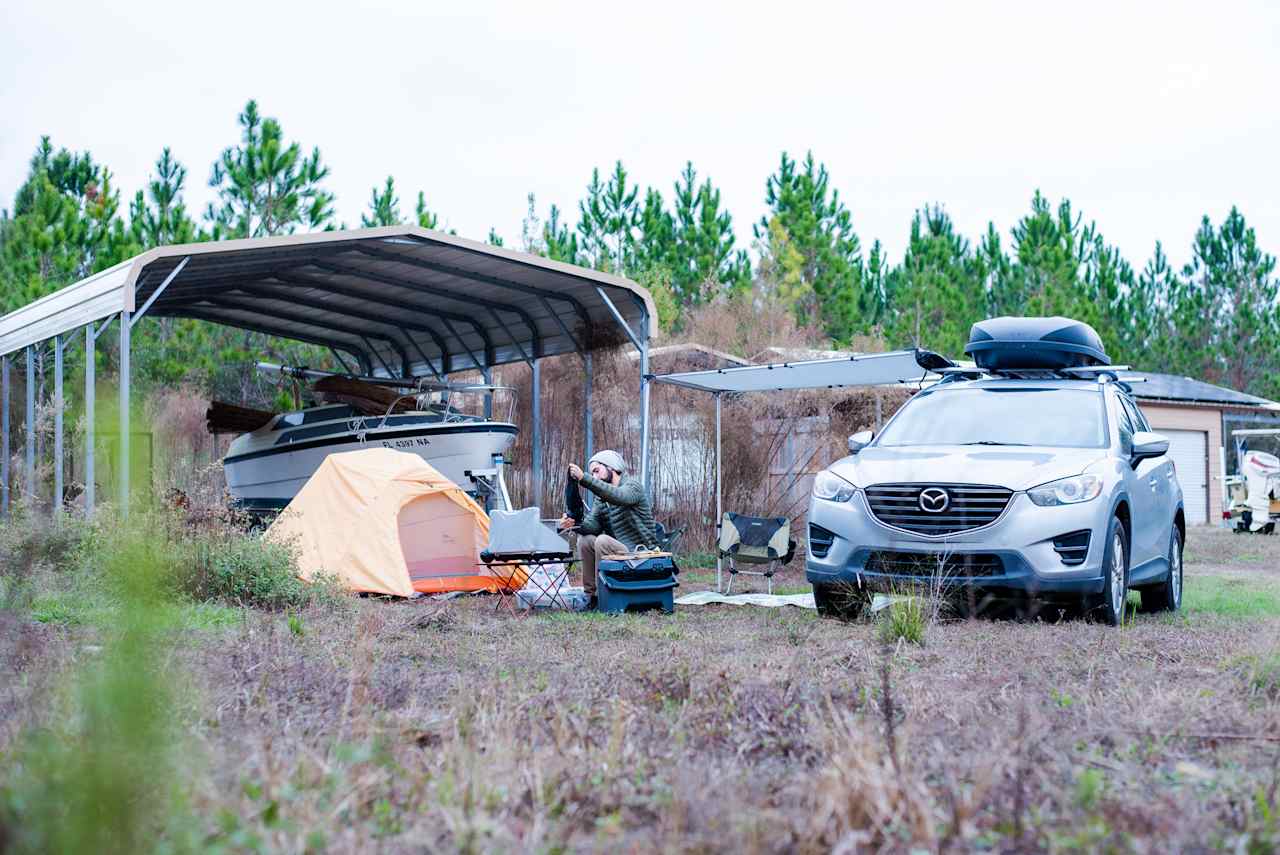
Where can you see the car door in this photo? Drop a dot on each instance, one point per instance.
(1148, 491)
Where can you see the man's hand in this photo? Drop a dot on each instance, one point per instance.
(566, 522)
(575, 471)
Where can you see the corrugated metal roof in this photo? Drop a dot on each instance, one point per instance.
(402, 297)
(1173, 387)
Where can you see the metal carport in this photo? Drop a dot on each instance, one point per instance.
(871, 369)
(398, 301)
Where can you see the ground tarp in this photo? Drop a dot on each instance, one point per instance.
(386, 522)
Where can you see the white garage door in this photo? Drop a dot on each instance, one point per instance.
(1190, 452)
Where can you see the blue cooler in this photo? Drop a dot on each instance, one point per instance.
(637, 584)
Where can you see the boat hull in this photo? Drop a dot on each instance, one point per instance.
(265, 473)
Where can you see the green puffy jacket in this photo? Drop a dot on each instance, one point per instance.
(621, 511)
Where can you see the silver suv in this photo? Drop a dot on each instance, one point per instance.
(1051, 487)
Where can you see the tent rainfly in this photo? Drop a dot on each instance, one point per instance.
(398, 301)
(871, 369)
(386, 522)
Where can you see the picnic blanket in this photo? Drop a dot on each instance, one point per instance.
(769, 601)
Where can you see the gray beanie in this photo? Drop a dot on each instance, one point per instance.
(609, 458)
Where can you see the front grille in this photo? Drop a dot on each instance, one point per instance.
(969, 506)
(820, 540)
(1072, 548)
(930, 564)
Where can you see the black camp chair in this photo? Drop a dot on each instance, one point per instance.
(755, 540)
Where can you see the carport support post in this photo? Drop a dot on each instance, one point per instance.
(89, 382)
(4, 435)
(536, 439)
(719, 497)
(57, 427)
(644, 404)
(125, 326)
(31, 422)
(486, 373)
(586, 367)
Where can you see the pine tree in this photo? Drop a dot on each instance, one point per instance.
(384, 207)
(426, 219)
(938, 292)
(609, 217)
(1232, 289)
(65, 226)
(819, 227)
(159, 217)
(265, 186)
(494, 238)
(703, 258)
(560, 241)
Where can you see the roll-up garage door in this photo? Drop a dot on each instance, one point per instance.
(1190, 452)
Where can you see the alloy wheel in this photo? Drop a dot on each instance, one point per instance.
(1117, 574)
(1175, 572)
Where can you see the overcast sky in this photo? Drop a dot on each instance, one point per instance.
(1145, 115)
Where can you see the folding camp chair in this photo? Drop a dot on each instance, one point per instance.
(755, 540)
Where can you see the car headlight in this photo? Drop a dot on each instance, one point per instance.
(830, 486)
(1067, 491)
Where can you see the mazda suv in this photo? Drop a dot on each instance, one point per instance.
(1009, 485)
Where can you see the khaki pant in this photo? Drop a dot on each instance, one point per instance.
(591, 548)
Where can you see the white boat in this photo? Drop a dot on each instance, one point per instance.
(265, 469)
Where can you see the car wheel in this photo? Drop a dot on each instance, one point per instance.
(1109, 606)
(1167, 596)
(842, 601)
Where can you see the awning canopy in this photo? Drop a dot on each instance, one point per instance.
(402, 300)
(871, 369)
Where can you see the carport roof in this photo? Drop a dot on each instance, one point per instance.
(402, 299)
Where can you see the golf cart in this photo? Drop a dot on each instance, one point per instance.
(1253, 493)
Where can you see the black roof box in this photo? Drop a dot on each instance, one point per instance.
(1043, 343)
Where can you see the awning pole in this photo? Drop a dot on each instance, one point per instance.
(31, 423)
(124, 412)
(719, 498)
(57, 427)
(90, 368)
(4, 436)
(536, 438)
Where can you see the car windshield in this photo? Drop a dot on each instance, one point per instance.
(1065, 418)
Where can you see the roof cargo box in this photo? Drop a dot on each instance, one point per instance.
(1045, 343)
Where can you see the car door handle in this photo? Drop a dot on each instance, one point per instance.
(1153, 482)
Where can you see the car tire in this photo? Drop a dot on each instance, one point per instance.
(841, 601)
(1167, 596)
(1109, 606)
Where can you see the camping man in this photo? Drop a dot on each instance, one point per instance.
(619, 520)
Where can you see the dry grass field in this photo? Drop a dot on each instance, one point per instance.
(363, 725)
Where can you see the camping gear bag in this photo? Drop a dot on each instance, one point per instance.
(632, 584)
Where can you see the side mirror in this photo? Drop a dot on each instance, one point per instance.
(863, 438)
(1147, 445)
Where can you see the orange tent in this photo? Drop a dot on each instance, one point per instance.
(386, 522)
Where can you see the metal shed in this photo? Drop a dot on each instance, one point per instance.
(398, 301)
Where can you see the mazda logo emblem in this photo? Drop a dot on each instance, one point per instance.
(934, 500)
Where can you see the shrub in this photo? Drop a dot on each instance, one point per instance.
(30, 545)
(246, 570)
(906, 619)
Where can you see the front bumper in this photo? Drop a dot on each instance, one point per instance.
(1022, 539)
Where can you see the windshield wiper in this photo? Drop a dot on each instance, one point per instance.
(993, 442)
